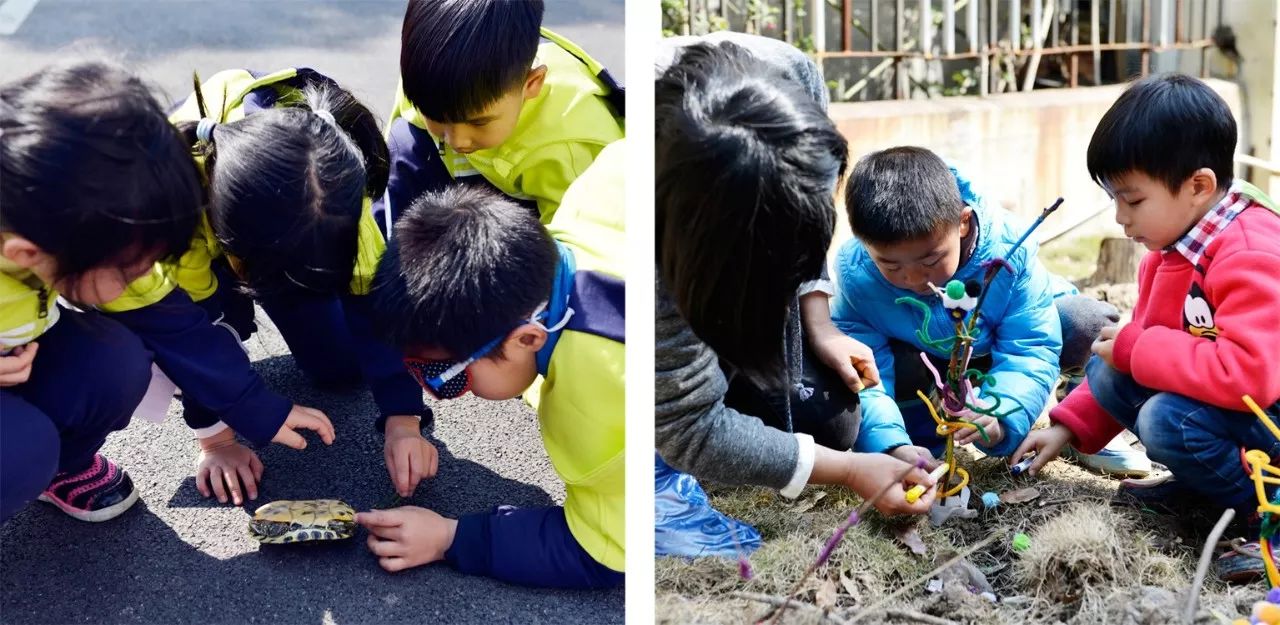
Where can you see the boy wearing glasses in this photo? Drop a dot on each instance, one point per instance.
(481, 297)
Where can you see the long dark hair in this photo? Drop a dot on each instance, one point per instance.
(747, 163)
(286, 186)
(91, 171)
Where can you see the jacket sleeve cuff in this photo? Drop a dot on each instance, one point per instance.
(804, 467)
(1122, 353)
(1091, 426)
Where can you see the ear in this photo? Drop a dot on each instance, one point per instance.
(527, 337)
(22, 252)
(1203, 184)
(966, 217)
(533, 82)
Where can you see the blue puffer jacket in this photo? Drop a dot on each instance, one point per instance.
(1024, 344)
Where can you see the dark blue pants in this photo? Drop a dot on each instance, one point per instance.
(86, 380)
(1199, 443)
(314, 327)
(527, 546)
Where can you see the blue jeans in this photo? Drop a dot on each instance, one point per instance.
(1199, 443)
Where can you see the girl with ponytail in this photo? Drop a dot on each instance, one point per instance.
(290, 162)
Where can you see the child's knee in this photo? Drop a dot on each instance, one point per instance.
(1082, 321)
(122, 368)
(29, 447)
(1169, 424)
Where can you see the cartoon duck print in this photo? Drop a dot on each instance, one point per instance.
(1197, 316)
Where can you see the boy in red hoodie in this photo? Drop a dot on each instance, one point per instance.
(1204, 330)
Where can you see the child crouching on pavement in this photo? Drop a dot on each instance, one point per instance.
(483, 297)
(1204, 332)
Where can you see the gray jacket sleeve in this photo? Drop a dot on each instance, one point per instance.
(695, 432)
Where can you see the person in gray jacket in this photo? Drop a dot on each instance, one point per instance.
(747, 164)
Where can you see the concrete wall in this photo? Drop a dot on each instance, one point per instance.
(1023, 149)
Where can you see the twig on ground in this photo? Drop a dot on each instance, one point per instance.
(827, 549)
(917, 617)
(778, 602)
(926, 577)
(1206, 554)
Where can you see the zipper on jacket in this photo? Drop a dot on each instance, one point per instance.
(43, 298)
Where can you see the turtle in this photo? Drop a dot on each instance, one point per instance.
(302, 521)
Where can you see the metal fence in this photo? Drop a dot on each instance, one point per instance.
(896, 49)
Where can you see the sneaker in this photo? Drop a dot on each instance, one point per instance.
(1117, 458)
(1156, 489)
(101, 492)
(1241, 562)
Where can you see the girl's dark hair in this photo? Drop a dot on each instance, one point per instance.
(286, 186)
(467, 266)
(459, 56)
(747, 164)
(91, 171)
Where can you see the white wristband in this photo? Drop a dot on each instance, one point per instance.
(211, 430)
(804, 467)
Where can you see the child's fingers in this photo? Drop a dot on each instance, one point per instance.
(393, 565)
(920, 476)
(249, 481)
(322, 425)
(219, 489)
(258, 469)
(1028, 445)
(435, 462)
(291, 439)
(1041, 459)
(202, 481)
(385, 548)
(234, 489)
(379, 518)
(402, 474)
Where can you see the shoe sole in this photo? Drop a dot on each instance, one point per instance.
(94, 516)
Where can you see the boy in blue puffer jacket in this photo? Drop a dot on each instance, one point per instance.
(918, 222)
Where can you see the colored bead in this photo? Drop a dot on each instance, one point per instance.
(990, 499)
(1021, 542)
(955, 289)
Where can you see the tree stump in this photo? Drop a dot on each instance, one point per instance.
(1118, 259)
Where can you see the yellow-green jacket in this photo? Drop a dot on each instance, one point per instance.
(27, 306)
(558, 135)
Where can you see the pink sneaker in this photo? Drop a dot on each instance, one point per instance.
(101, 492)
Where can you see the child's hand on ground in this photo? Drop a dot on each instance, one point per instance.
(1047, 444)
(307, 419)
(16, 367)
(870, 473)
(991, 425)
(1105, 346)
(851, 360)
(407, 536)
(225, 465)
(409, 456)
(913, 453)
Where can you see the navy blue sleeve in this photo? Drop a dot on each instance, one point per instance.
(415, 167)
(208, 364)
(526, 546)
(394, 390)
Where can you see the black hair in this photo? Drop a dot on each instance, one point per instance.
(901, 194)
(459, 56)
(287, 186)
(747, 164)
(1165, 126)
(91, 171)
(467, 266)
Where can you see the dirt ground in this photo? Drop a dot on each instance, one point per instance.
(1092, 558)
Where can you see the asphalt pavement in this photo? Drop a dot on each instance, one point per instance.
(176, 557)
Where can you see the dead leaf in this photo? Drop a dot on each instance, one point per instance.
(809, 503)
(826, 597)
(850, 588)
(1022, 495)
(911, 538)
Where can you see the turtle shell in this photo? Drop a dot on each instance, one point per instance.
(302, 521)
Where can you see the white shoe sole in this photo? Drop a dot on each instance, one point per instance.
(94, 516)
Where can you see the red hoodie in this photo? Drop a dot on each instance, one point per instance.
(1208, 331)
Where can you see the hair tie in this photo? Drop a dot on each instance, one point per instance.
(326, 115)
(204, 129)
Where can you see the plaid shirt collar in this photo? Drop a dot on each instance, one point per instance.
(1193, 244)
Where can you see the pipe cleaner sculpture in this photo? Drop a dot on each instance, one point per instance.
(958, 398)
(1262, 472)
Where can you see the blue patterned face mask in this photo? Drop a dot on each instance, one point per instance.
(451, 378)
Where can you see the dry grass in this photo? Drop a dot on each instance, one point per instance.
(1090, 560)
